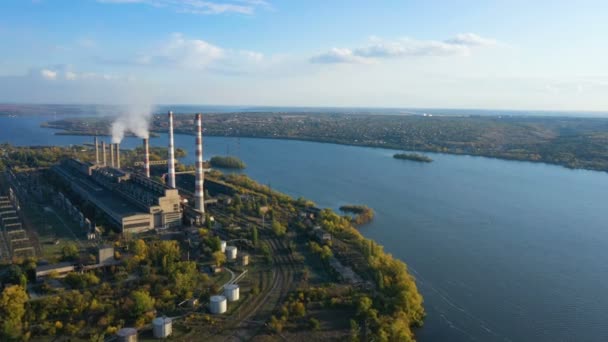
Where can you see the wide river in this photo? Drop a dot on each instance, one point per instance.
(501, 250)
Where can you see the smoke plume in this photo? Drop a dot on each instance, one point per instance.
(134, 119)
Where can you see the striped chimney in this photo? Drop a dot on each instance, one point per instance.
(117, 155)
(146, 158)
(171, 161)
(103, 150)
(111, 155)
(199, 194)
(96, 151)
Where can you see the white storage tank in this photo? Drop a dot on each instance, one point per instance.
(231, 252)
(127, 335)
(223, 246)
(231, 291)
(218, 304)
(162, 327)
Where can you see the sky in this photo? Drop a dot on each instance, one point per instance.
(534, 55)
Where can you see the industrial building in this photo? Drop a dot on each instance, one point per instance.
(132, 201)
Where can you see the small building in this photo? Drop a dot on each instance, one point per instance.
(127, 335)
(162, 327)
(105, 255)
(60, 270)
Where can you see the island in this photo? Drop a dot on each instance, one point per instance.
(413, 156)
(227, 162)
(362, 213)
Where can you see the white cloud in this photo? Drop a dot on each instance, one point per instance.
(252, 55)
(247, 7)
(70, 75)
(184, 52)
(339, 55)
(48, 74)
(377, 48)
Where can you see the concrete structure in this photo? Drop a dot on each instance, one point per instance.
(162, 327)
(96, 151)
(231, 291)
(231, 252)
(126, 335)
(117, 155)
(103, 152)
(218, 305)
(61, 270)
(245, 259)
(105, 255)
(223, 246)
(130, 201)
(171, 156)
(146, 158)
(199, 193)
(111, 155)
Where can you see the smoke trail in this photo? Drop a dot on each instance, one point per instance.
(134, 118)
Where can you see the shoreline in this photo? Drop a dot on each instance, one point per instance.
(383, 147)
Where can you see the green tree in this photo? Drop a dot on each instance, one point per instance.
(254, 236)
(142, 303)
(12, 310)
(140, 249)
(69, 252)
(219, 258)
(278, 228)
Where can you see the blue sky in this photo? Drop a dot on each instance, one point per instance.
(538, 55)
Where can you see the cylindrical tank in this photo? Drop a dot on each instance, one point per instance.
(245, 259)
(162, 327)
(127, 335)
(231, 291)
(231, 252)
(218, 304)
(223, 246)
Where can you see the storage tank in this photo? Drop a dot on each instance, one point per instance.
(231, 252)
(162, 327)
(223, 246)
(245, 259)
(127, 335)
(231, 291)
(218, 304)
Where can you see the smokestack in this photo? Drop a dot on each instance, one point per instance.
(118, 155)
(111, 155)
(96, 151)
(146, 158)
(199, 194)
(103, 149)
(171, 161)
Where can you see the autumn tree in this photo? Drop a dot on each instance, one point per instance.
(219, 258)
(12, 310)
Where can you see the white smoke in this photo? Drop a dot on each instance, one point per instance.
(134, 119)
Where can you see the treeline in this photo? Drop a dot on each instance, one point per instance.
(391, 311)
(362, 213)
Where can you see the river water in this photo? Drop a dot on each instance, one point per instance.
(502, 250)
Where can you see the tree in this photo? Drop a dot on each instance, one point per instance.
(208, 223)
(12, 310)
(354, 331)
(278, 228)
(254, 236)
(142, 303)
(69, 252)
(140, 249)
(219, 258)
(266, 252)
(314, 324)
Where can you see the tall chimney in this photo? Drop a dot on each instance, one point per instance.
(171, 161)
(117, 155)
(103, 149)
(111, 155)
(96, 151)
(146, 158)
(199, 194)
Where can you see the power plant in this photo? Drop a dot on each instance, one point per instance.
(131, 201)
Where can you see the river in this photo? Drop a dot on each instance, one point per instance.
(502, 250)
